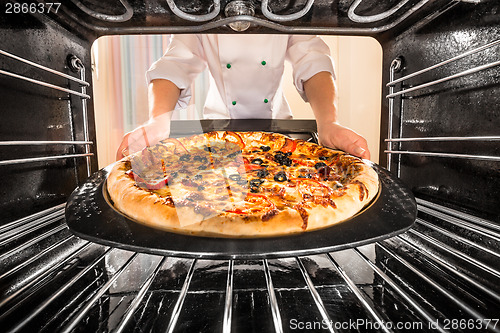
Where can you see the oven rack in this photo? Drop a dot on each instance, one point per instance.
(395, 67)
(445, 268)
(78, 66)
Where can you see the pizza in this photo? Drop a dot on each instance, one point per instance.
(240, 184)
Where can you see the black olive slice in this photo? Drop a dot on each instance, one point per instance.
(236, 177)
(319, 165)
(280, 176)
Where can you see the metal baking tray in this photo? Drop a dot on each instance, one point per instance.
(91, 215)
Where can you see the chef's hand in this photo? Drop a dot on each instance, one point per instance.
(155, 130)
(334, 135)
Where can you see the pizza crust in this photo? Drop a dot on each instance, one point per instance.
(152, 210)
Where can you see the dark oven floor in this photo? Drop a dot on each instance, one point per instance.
(441, 275)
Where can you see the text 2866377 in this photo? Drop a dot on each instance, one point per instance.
(31, 7)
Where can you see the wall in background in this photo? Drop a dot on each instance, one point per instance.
(358, 67)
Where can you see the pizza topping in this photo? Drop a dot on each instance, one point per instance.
(269, 214)
(254, 203)
(282, 158)
(319, 165)
(306, 175)
(210, 149)
(289, 146)
(188, 182)
(177, 144)
(304, 215)
(362, 189)
(280, 177)
(222, 173)
(235, 176)
(262, 173)
(148, 184)
(256, 182)
(324, 172)
(257, 161)
(228, 135)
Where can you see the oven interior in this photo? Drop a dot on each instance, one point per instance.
(440, 126)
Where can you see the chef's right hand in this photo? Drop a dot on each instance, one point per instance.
(155, 130)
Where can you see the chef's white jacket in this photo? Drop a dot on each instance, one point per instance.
(246, 71)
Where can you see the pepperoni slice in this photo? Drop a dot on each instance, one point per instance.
(289, 146)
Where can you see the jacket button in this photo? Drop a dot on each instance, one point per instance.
(228, 66)
(263, 63)
(266, 100)
(233, 102)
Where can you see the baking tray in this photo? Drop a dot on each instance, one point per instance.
(90, 215)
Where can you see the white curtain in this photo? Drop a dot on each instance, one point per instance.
(120, 88)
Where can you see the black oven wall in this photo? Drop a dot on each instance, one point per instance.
(459, 167)
(35, 115)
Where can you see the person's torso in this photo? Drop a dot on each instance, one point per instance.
(246, 74)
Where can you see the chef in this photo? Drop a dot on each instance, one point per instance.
(246, 82)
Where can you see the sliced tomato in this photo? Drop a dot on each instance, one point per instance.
(307, 184)
(335, 160)
(303, 162)
(150, 185)
(157, 184)
(236, 138)
(147, 157)
(238, 211)
(248, 167)
(289, 146)
(255, 199)
(177, 143)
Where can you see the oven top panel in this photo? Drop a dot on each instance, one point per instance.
(340, 17)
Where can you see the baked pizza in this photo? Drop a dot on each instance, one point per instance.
(240, 184)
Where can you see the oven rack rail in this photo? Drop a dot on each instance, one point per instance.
(396, 66)
(445, 268)
(78, 66)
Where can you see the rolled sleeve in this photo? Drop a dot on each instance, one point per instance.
(308, 55)
(181, 63)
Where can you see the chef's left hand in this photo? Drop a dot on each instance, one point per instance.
(334, 135)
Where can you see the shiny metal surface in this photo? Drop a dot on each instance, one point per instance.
(372, 18)
(444, 79)
(461, 172)
(53, 142)
(216, 7)
(442, 63)
(287, 17)
(311, 17)
(129, 11)
(39, 120)
(422, 278)
(41, 83)
(42, 159)
(45, 68)
(445, 269)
